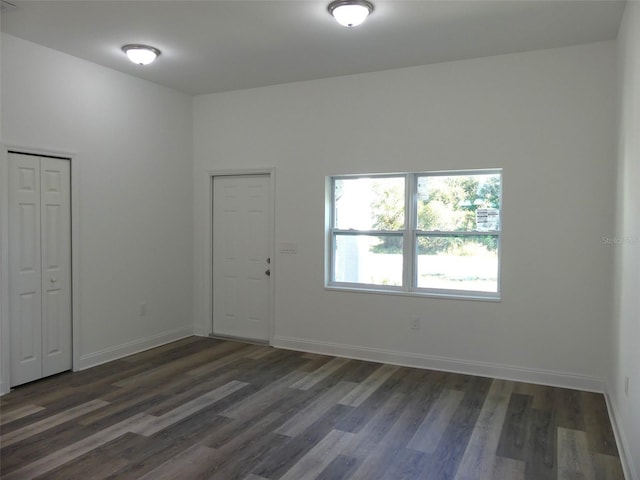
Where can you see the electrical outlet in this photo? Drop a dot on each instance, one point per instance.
(415, 322)
(626, 386)
(142, 310)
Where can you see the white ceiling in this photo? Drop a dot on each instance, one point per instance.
(212, 46)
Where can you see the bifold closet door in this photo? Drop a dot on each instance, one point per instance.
(39, 266)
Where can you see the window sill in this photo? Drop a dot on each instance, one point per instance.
(402, 293)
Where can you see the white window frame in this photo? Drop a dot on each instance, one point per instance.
(410, 235)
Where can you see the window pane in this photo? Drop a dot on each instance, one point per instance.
(368, 259)
(457, 203)
(458, 263)
(369, 203)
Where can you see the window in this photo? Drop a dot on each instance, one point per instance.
(424, 233)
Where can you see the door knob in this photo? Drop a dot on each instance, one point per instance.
(268, 272)
(53, 280)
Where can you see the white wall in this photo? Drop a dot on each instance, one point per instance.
(133, 143)
(625, 360)
(546, 117)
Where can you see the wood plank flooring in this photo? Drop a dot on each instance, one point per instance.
(203, 408)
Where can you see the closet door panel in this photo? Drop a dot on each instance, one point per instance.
(56, 265)
(25, 273)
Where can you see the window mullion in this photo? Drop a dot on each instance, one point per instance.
(408, 251)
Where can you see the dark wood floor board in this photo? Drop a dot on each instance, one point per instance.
(398, 435)
(543, 396)
(204, 408)
(263, 447)
(39, 390)
(263, 399)
(459, 381)
(169, 370)
(359, 370)
(508, 468)
(158, 451)
(359, 416)
(119, 411)
(32, 448)
(98, 463)
(232, 428)
(247, 436)
(261, 351)
(367, 439)
(272, 369)
(200, 344)
(312, 378)
(184, 390)
(175, 437)
(152, 424)
(315, 409)
(574, 460)
(478, 459)
(239, 354)
(365, 389)
(450, 449)
(71, 451)
(568, 408)
(254, 442)
(607, 467)
(514, 431)
(340, 468)
(314, 361)
(295, 448)
(56, 397)
(430, 431)
(140, 449)
(189, 463)
(540, 445)
(407, 464)
(144, 454)
(319, 457)
(108, 373)
(52, 421)
(16, 412)
(596, 421)
(159, 352)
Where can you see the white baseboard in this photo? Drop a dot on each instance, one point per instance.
(432, 362)
(113, 353)
(621, 439)
(2, 388)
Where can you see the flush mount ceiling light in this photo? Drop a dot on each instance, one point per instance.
(350, 13)
(141, 54)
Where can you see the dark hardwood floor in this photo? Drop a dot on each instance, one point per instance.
(210, 409)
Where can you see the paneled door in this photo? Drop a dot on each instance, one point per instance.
(39, 266)
(241, 263)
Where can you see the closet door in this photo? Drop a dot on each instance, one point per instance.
(55, 231)
(39, 266)
(25, 274)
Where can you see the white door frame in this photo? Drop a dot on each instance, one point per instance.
(209, 257)
(5, 344)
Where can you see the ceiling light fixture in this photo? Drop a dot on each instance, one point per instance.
(350, 13)
(141, 54)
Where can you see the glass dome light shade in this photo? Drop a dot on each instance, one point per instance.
(350, 13)
(141, 54)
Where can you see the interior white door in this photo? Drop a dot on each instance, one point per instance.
(55, 231)
(39, 267)
(25, 294)
(241, 249)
